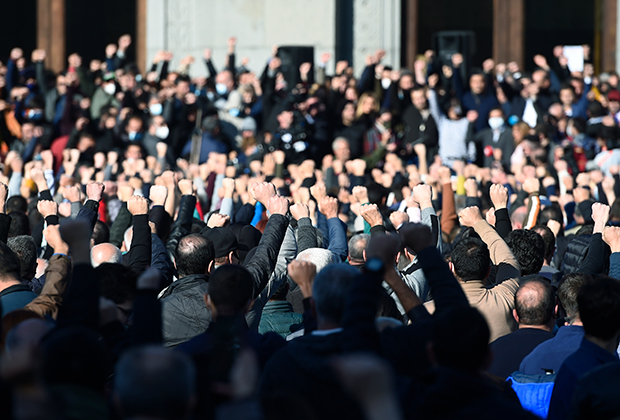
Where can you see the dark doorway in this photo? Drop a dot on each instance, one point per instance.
(556, 22)
(19, 28)
(457, 15)
(93, 24)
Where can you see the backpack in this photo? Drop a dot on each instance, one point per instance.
(534, 391)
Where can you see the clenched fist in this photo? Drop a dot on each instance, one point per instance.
(469, 216)
(137, 205)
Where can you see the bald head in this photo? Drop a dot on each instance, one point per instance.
(535, 303)
(105, 253)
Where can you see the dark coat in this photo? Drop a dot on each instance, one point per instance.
(278, 317)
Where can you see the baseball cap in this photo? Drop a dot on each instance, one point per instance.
(224, 240)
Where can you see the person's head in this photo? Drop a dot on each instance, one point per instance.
(613, 101)
(225, 244)
(26, 250)
(599, 308)
(348, 113)
(517, 218)
(194, 255)
(105, 253)
(357, 245)
(367, 105)
(320, 257)
(552, 212)
(134, 151)
(26, 335)
(535, 303)
(20, 224)
(528, 247)
(567, 95)
(341, 149)
(118, 282)
(159, 128)
(470, 259)
(541, 78)
(329, 292)
(101, 233)
(406, 81)
(224, 82)
(418, 98)
(567, 294)
(496, 118)
(519, 131)
(285, 119)
(134, 127)
(231, 290)
(61, 84)
(477, 83)
(466, 326)
(455, 111)
(10, 268)
(575, 126)
(548, 239)
(153, 382)
(16, 203)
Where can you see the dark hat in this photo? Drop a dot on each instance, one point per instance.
(224, 240)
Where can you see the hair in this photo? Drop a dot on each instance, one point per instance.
(615, 209)
(548, 239)
(16, 203)
(118, 282)
(101, 233)
(231, 286)
(376, 193)
(9, 263)
(20, 224)
(471, 259)
(464, 325)
(528, 248)
(26, 250)
(567, 293)
(359, 111)
(320, 257)
(330, 289)
(281, 292)
(152, 381)
(357, 245)
(535, 301)
(339, 140)
(599, 307)
(193, 255)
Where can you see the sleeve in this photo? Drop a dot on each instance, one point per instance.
(430, 219)
(162, 220)
(160, 259)
(594, 262)
(140, 251)
(449, 219)
(120, 225)
(533, 209)
(434, 107)
(306, 234)
(457, 82)
(57, 275)
(338, 238)
(501, 256)
(88, 212)
(503, 225)
(614, 265)
(245, 214)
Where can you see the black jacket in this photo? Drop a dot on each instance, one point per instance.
(420, 130)
(184, 312)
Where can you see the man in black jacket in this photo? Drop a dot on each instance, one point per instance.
(420, 126)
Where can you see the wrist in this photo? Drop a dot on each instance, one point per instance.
(499, 206)
(426, 204)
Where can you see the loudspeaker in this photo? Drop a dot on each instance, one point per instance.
(292, 58)
(447, 43)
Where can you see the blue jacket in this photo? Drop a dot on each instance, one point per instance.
(482, 103)
(549, 355)
(15, 297)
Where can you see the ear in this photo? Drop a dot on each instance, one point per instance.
(409, 255)
(364, 254)
(230, 257)
(398, 257)
(451, 265)
(514, 315)
(210, 267)
(209, 304)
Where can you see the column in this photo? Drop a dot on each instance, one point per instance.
(51, 32)
(376, 25)
(508, 31)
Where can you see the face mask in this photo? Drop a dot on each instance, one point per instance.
(385, 83)
(210, 95)
(134, 135)
(569, 131)
(221, 88)
(496, 122)
(162, 132)
(110, 88)
(156, 109)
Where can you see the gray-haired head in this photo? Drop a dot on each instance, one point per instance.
(357, 245)
(154, 382)
(329, 291)
(105, 253)
(26, 250)
(320, 257)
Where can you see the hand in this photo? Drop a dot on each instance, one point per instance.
(329, 207)
(228, 184)
(457, 60)
(263, 191)
(186, 186)
(4, 192)
(541, 61)
(125, 192)
(581, 194)
(47, 208)
(279, 156)
(422, 193)
(168, 178)
(277, 205)
(16, 54)
(275, 63)
(72, 193)
(94, 191)
(299, 211)
(398, 218)
(472, 116)
(600, 215)
(124, 42)
(218, 220)
(488, 65)
(207, 54)
(611, 236)
(499, 196)
(433, 79)
(469, 216)
(358, 166)
(53, 239)
(531, 185)
(302, 273)
(371, 214)
(158, 195)
(490, 216)
(325, 57)
(471, 187)
(39, 55)
(162, 149)
(445, 175)
(138, 205)
(360, 193)
(318, 191)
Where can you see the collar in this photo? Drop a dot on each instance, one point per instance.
(326, 332)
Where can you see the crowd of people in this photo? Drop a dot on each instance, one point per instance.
(437, 242)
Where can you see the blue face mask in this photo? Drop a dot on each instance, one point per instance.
(135, 135)
(210, 95)
(156, 109)
(221, 88)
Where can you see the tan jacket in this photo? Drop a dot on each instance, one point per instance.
(496, 301)
(57, 276)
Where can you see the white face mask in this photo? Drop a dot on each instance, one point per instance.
(385, 83)
(221, 88)
(496, 122)
(110, 88)
(156, 109)
(162, 132)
